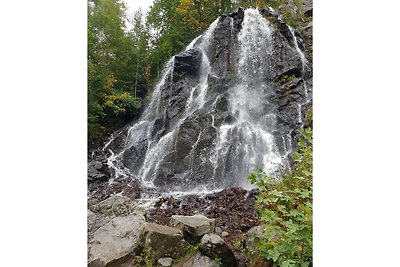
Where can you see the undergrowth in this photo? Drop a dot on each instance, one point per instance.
(285, 208)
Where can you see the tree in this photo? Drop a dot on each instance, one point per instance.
(111, 66)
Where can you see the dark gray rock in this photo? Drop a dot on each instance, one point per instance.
(187, 63)
(98, 170)
(164, 241)
(215, 247)
(197, 260)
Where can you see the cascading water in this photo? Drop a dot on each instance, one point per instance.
(305, 67)
(195, 136)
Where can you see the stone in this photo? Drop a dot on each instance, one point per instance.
(165, 262)
(224, 234)
(188, 62)
(164, 241)
(98, 171)
(193, 227)
(252, 238)
(115, 226)
(197, 260)
(214, 246)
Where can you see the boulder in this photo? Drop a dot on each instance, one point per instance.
(197, 260)
(252, 237)
(164, 241)
(215, 247)
(115, 226)
(193, 227)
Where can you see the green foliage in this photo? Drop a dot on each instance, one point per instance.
(192, 249)
(238, 244)
(285, 208)
(286, 78)
(309, 118)
(218, 261)
(260, 3)
(145, 259)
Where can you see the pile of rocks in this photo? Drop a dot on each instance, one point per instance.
(118, 233)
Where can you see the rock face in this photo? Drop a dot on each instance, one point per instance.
(193, 227)
(230, 103)
(215, 247)
(164, 241)
(114, 229)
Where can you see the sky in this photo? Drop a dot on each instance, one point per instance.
(134, 5)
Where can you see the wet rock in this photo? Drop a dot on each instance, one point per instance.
(193, 227)
(222, 58)
(165, 262)
(114, 229)
(238, 17)
(187, 63)
(214, 247)
(98, 170)
(164, 241)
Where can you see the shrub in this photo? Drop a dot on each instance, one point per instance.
(285, 208)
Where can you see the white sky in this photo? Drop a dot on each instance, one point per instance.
(134, 5)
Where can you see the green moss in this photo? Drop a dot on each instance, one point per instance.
(309, 118)
(286, 78)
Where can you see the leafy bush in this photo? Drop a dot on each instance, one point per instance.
(120, 103)
(285, 208)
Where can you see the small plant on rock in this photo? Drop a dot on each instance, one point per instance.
(192, 249)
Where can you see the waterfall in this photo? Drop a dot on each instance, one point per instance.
(305, 67)
(193, 136)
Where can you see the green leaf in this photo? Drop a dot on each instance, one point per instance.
(288, 263)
